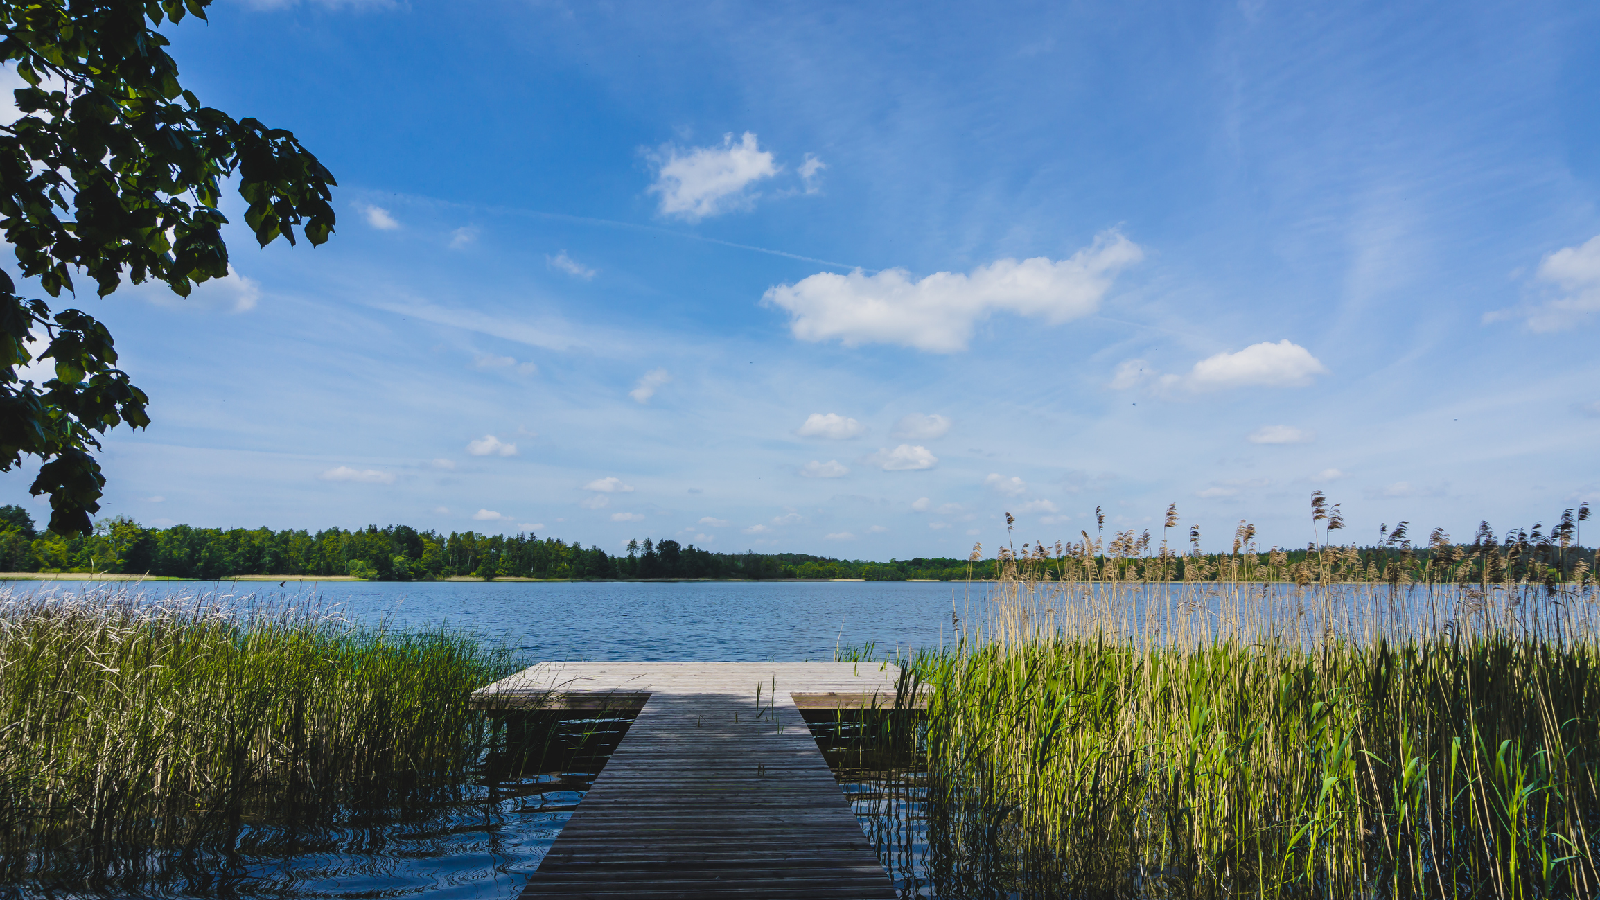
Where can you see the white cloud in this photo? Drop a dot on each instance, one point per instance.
(611, 484)
(938, 313)
(921, 504)
(832, 426)
(917, 427)
(1575, 271)
(830, 469)
(904, 458)
(788, 519)
(233, 291)
(461, 237)
(705, 181)
(362, 476)
(1217, 492)
(379, 218)
(489, 515)
(1054, 520)
(598, 501)
(840, 536)
(877, 529)
(1266, 364)
(1011, 487)
(157, 499)
(627, 517)
(1281, 434)
(570, 266)
(491, 362)
(648, 383)
(489, 445)
(1033, 506)
(756, 529)
(938, 526)
(1327, 475)
(946, 509)
(809, 167)
(711, 522)
(444, 464)
(442, 510)
(531, 526)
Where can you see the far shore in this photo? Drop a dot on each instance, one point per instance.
(90, 576)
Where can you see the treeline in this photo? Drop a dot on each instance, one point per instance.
(401, 553)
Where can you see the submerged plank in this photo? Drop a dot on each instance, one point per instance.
(717, 790)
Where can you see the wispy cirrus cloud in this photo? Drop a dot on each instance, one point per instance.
(359, 476)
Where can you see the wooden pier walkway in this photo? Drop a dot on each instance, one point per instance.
(712, 792)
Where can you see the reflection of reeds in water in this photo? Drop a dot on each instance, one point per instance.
(1104, 726)
(135, 732)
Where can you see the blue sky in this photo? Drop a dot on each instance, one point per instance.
(858, 279)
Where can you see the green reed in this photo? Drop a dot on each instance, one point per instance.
(1150, 739)
(129, 727)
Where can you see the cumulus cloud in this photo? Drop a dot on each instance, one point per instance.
(832, 426)
(489, 515)
(232, 292)
(1284, 364)
(1266, 364)
(918, 427)
(830, 469)
(876, 529)
(444, 463)
(1011, 487)
(379, 218)
(489, 445)
(788, 519)
(921, 504)
(840, 536)
(648, 384)
(626, 517)
(712, 522)
(567, 264)
(904, 458)
(611, 484)
(756, 529)
(461, 237)
(1572, 272)
(938, 313)
(1281, 434)
(809, 167)
(361, 476)
(704, 181)
(598, 501)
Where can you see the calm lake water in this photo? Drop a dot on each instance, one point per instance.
(484, 841)
(646, 621)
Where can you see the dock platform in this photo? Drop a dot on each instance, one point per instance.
(717, 789)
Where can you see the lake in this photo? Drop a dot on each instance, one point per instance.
(731, 621)
(484, 841)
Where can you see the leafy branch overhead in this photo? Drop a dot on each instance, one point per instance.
(114, 171)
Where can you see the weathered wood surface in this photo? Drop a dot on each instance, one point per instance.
(712, 793)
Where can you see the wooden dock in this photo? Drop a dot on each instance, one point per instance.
(716, 790)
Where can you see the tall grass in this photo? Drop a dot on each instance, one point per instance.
(129, 728)
(1096, 734)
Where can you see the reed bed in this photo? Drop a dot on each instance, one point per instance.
(1099, 729)
(131, 729)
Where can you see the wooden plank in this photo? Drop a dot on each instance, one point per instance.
(712, 792)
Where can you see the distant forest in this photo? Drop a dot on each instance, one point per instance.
(400, 553)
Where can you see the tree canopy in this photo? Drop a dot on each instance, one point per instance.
(114, 171)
